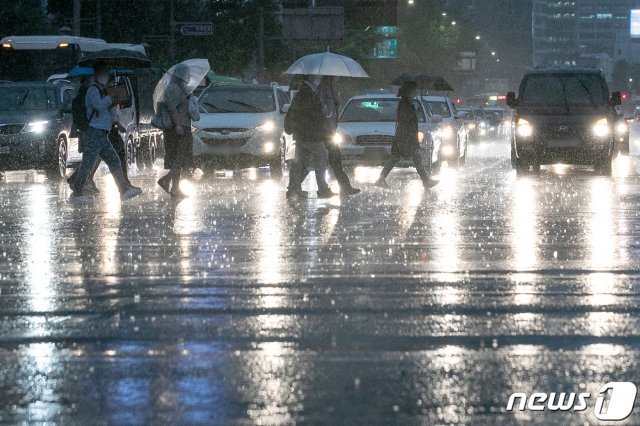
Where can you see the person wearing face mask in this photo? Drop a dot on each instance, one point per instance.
(306, 121)
(102, 118)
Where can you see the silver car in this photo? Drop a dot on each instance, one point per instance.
(367, 127)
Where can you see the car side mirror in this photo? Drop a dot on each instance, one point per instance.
(285, 108)
(511, 100)
(616, 99)
(436, 119)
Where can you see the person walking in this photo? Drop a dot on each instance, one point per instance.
(101, 114)
(306, 121)
(178, 139)
(331, 108)
(405, 142)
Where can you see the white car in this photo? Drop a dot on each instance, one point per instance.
(242, 125)
(452, 133)
(367, 126)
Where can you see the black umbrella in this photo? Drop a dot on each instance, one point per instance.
(117, 58)
(425, 81)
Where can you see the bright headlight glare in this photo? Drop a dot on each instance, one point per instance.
(601, 128)
(337, 138)
(446, 132)
(622, 128)
(267, 126)
(268, 147)
(420, 136)
(524, 128)
(472, 126)
(36, 127)
(447, 150)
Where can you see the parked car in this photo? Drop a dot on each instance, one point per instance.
(242, 126)
(366, 129)
(563, 115)
(452, 133)
(35, 124)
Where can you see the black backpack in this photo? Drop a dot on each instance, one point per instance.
(79, 111)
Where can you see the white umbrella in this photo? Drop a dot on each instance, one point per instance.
(327, 63)
(180, 81)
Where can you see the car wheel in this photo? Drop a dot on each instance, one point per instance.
(131, 153)
(58, 169)
(521, 166)
(603, 166)
(276, 165)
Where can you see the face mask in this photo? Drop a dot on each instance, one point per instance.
(102, 79)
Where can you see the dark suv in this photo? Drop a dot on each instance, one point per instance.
(563, 115)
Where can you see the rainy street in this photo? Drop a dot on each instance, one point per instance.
(400, 306)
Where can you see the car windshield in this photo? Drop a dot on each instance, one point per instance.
(468, 111)
(439, 108)
(375, 110)
(494, 114)
(237, 99)
(563, 90)
(27, 98)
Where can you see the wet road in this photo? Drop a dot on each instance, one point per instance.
(401, 306)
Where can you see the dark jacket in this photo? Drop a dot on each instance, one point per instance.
(406, 139)
(306, 119)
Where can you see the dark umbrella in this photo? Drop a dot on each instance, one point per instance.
(117, 58)
(425, 81)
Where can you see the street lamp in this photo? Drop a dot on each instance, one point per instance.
(477, 37)
(411, 2)
(453, 22)
(493, 53)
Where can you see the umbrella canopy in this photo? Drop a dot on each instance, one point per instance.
(117, 58)
(329, 64)
(425, 81)
(179, 82)
(79, 71)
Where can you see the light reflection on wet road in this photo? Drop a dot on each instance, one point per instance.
(400, 306)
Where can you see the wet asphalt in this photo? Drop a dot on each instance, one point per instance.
(400, 306)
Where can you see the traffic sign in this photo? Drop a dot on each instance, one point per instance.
(197, 29)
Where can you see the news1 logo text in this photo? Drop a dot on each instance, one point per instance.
(614, 401)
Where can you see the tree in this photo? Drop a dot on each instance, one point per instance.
(23, 17)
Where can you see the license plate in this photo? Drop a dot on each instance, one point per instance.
(565, 143)
(5, 150)
(375, 153)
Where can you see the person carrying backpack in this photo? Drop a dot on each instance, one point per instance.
(102, 118)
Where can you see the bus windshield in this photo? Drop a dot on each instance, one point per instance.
(35, 65)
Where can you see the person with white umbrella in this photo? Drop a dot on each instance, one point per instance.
(175, 107)
(319, 70)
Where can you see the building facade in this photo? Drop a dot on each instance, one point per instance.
(581, 32)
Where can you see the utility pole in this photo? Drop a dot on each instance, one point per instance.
(261, 44)
(172, 30)
(76, 17)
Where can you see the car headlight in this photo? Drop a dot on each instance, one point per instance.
(622, 128)
(267, 126)
(337, 139)
(420, 136)
(447, 150)
(268, 147)
(446, 132)
(472, 126)
(36, 127)
(483, 124)
(524, 128)
(601, 128)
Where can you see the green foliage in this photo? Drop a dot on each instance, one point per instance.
(22, 17)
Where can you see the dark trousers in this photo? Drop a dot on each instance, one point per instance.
(334, 159)
(309, 153)
(97, 145)
(396, 158)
